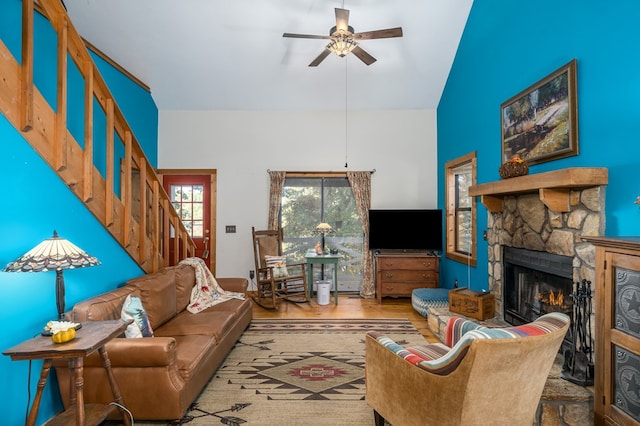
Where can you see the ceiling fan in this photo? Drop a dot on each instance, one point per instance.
(345, 40)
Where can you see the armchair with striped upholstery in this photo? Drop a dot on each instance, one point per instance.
(480, 375)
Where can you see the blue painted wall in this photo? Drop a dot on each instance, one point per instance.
(507, 46)
(137, 105)
(35, 202)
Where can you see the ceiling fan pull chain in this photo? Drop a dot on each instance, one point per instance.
(346, 114)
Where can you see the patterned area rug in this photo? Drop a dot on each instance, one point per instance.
(294, 372)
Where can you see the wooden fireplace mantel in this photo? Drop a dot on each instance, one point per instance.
(553, 187)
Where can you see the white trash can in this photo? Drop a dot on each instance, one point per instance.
(324, 291)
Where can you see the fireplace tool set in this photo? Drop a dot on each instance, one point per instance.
(578, 358)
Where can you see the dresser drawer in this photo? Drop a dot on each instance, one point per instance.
(413, 276)
(404, 289)
(407, 263)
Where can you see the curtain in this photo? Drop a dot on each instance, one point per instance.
(275, 197)
(361, 186)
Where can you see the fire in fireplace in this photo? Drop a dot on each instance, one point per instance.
(535, 283)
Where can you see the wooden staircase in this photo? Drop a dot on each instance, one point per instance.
(132, 205)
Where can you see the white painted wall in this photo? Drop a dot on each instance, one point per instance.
(399, 144)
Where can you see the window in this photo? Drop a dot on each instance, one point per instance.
(461, 209)
(308, 201)
(188, 202)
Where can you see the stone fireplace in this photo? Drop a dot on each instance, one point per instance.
(527, 223)
(542, 218)
(545, 212)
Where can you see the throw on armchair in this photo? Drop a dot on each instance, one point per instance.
(480, 376)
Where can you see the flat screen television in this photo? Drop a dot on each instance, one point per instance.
(408, 229)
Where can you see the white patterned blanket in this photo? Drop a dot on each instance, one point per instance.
(206, 292)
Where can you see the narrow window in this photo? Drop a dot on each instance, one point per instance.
(461, 209)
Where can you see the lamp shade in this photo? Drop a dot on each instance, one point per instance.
(324, 228)
(342, 44)
(53, 254)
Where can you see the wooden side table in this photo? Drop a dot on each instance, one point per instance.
(323, 259)
(90, 338)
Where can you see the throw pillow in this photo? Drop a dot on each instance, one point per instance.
(279, 265)
(133, 310)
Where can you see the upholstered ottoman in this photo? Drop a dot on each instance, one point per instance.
(423, 299)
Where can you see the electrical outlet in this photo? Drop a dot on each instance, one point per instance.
(252, 274)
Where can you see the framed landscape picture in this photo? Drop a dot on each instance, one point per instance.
(541, 123)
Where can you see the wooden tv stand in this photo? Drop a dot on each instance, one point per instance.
(398, 273)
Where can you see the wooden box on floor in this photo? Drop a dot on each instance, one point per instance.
(473, 304)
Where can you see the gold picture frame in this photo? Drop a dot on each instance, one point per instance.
(540, 123)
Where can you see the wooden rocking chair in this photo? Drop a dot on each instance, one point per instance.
(276, 279)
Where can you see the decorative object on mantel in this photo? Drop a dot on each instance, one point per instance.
(514, 167)
(541, 123)
(578, 359)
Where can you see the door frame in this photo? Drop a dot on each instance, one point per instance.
(213, 175)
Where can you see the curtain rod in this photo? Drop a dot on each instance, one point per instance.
(316, 173)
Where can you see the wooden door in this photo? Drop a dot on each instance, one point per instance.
(192, 197)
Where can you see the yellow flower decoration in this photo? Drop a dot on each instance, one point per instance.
(515, 159)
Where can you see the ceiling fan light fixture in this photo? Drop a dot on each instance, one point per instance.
(342, 44)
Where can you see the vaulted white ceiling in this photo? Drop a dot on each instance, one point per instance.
(230, 55)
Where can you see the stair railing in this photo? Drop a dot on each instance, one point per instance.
(142, 218)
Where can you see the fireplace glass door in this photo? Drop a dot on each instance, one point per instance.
(535, 283)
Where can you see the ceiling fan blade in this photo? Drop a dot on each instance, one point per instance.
(342, 19)
(363, 56)
(290, 35)
(320, 58)
(388, 33)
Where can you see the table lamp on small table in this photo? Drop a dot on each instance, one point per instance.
(53, 254)
(323, 229)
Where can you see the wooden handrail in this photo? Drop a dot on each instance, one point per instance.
(143, 225)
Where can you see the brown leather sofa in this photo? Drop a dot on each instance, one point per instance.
(160, 376)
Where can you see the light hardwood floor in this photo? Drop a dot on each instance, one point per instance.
(350, 306)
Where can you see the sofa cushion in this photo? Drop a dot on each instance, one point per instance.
(234, 305)
(158, 294)
(103, 307)
(185, 280)
(190, 350)
(211, 322)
